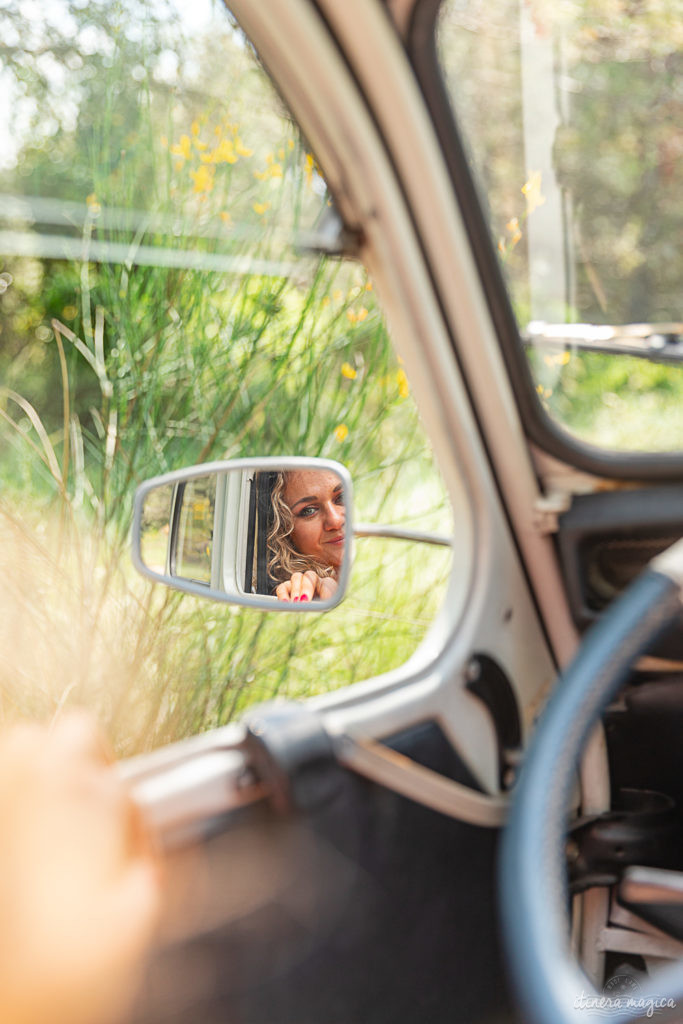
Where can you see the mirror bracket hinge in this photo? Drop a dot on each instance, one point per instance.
(292, 754)
(331, 237)
(548, 509)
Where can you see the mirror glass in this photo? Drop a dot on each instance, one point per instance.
(263, 532)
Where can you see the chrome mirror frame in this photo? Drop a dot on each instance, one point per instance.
(260, 602)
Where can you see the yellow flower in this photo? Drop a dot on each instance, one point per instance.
(341, 432)
(532, 190)
(92, 203)
(309, 165)
(362, 313)
(194, 128)
(225, 217)
(290, 144)
(351, 315)
(281, 153)
(273, 170)
(203, 179)
(183, 148)
(403, 386)
(514, 229)
(348, 371)
(224, 153)
(559, 359)
(240, 148)
(368, 286)
(260, 208)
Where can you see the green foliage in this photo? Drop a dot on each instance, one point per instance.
(605, 156)
(209, 335)
(617, 402)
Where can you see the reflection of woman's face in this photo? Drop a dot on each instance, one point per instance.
(316, 501)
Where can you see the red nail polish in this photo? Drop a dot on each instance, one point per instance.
(295, 599)
(304, 597)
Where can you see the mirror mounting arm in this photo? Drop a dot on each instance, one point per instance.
(399, 533)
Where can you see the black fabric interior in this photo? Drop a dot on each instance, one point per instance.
(373, 910)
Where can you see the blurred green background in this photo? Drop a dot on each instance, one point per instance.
(168, 312)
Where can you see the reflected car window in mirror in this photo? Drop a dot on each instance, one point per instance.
(197, 502)
(571, 115)
(156, 528)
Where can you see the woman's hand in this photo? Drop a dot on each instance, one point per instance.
(304, 586)
(79, 885)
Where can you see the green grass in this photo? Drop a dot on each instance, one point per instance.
(616, 402)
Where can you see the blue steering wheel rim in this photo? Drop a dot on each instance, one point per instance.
(550, 986)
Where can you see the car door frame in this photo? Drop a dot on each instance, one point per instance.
(367, 123)
(357, 102)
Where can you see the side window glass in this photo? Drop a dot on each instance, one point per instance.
(162, 304)
(572, 117)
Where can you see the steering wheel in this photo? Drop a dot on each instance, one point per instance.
(534, 888)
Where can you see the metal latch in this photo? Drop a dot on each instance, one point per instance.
(548, 508)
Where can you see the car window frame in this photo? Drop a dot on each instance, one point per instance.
(421, 47)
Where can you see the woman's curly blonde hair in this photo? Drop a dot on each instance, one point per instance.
(283, 558)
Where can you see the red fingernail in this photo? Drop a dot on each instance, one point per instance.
(304, 597)
(295, 599)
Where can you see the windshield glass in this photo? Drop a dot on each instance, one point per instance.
(572, 114)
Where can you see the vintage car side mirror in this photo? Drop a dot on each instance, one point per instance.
(238, 531)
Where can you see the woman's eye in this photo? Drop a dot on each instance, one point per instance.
(339, 500)
(307, 512)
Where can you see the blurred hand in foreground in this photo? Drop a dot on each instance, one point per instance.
(79, 885)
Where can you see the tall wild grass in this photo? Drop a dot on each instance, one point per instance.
(198, 329)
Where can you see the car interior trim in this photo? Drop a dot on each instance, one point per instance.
(405, 776)
(425, 182)
(394, 260)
